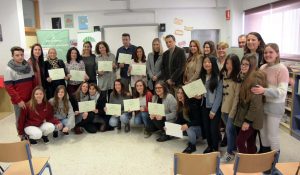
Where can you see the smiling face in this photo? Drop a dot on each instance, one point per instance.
(159, 90)
(139, 87)
(52, 54)
(221, 52)
(73, 55)
(139, 53)
(252, 43)
(86, 48)
(207, 65)
(245, 65)
(270, 55)
(84, 88)
(229, 66)
(61, 94)
(37, 51)
(118, 87)
(39, 96)
(170, 42)
(242, 41)
(193, 48)
(102, 49)
(126, 41)
(180, 95)
(206, 49)
(156, 46)
(92, 90)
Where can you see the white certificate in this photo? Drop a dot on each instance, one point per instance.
(124, 58)
(57, 74)
(77, 75)
(87, 106)
(113, 109)
(236, 50)
(173, 129)
(138, 69)
(194, 88)
(132, 104)
(156, 109)
(105, 66)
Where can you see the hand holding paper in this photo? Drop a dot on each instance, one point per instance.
(77, 75)
(173, 129)
(194, 88)
(105, 66)
(87, 106)
(156, 109)
(124, 58)
(131, 104)
(113, 109)
(56, 74)
(138, 69)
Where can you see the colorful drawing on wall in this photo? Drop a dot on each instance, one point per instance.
(182, 43)
(1, 37)
(188, 28)
(83, 22)
(179, 32)
(56, 23)
(178, 21)
(69, 21)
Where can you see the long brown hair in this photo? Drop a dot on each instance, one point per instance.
(65, 99)
(136, 94)
(33, 103)
(77, 92)
(197, 43)
(40, 61)
(135, 57)
(275, 47)
(123, 91)
(180, 105)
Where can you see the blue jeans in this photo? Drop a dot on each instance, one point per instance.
(193, 133)
(141, 118)
(230, 132)
(125, 118)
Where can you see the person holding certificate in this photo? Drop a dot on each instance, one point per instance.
(82, 119)
(116, 97)
(157, 122)
(74, 62)
(145, 96)
(211, 102)
(139, 58)
(53, 63)
(105, 78)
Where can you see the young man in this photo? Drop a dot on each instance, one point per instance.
(173, 64)
(242, 41)
(127, 48)
(18, 80)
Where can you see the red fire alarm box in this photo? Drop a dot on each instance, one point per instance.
(227, 14)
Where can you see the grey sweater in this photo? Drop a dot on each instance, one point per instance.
(59, 114)
(118, 100)
(170, 106)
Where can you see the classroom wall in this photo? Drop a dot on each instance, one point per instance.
(12, 23)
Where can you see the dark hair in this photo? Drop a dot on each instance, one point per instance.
(236, 68)
(16, 48)
(164, 86)
(95, 86)
(214, 79)
(180, 105)
(136, 93)
(69, 55)
(125, 34)
(243, 35)
(123, 91)
(77, 92)
(212, 48)
(89, 43)
(261, 47)
(97, 51)
(171, 36)
(135, 58)
(40, 60)
(251, 58)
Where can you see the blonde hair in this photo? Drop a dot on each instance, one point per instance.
(161, 51)
(222, 45)
(275, 47)
(49, 52)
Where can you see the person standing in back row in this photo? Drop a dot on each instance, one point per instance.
(173, 64)
(127, 48)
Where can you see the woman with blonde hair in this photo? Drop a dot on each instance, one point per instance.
(221, 54)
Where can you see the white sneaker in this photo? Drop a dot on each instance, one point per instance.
(227, 158)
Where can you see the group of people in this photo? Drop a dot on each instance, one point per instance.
(246, 94)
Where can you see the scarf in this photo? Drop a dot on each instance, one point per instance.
(95, 97)
(54, 63)
(24, 68)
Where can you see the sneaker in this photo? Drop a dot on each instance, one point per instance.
(163, 138)
(147, 134)
(32, 142)
(227, 157)
(45, 139)
(189, 149)
(127, 127)
(119, 125)
(55, 134)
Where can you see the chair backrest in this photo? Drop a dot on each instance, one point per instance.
(195, 164)
(14, 152)
(255, 163)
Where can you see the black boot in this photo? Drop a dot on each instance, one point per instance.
(32, 141)
(45, 139)
(190, 148)
(119, 125)
(264, 149)
(163, 138)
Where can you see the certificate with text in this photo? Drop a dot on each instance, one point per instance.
(173, 129)
(138, 69)
(77, 75)
(124, 58)
(105, 66)
(156, 109)
(87, 106)
(57, 74)
(113, 109)
(194, 88)
(132, 104)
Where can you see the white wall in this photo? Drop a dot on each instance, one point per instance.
(248, 4)
(12, 23)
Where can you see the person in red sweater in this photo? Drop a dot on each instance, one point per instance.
(37, 119)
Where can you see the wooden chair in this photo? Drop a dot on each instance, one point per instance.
(23, 163)
(252, 163)
(195, 164)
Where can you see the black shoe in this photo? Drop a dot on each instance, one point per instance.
(32, 141)
(208, 150)
(224, 142)
(163, 138)
(55, 134)
(119, 125)
(190, 149)
(66, 133)
(45, 139)
(147, 133)
(127, 127)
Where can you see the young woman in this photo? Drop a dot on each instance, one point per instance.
(231, 89)
(190, 124)
(277, 81)
(36, 120)
(255, 44)
(82, 119)
(250, 114)
(154, 62)
(89, 60)
(145, 96)
(63, 110)
(105, 79)
(211, 102)
(74, 62)
(221, 54)
(101, 119)
(53, 63)
(37, 62)
(157, 122)
(209, 48)
(117, 96)
(139, 57)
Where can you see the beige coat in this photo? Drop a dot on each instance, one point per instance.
(192, 69)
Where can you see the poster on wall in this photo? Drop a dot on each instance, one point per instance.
(56, 23)
(1, 37)
(69, 21)
(58, 39)
(93, 37)
(83, 22)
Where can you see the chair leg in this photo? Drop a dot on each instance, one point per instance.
(49, 167)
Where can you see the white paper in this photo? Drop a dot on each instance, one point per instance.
(173, 129)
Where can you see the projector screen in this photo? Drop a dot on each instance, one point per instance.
(141, 35)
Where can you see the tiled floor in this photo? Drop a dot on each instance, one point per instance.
(113, 153)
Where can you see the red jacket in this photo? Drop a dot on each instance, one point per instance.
(28, 117)
(148, 99)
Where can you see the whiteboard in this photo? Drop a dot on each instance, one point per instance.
(140, 36)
